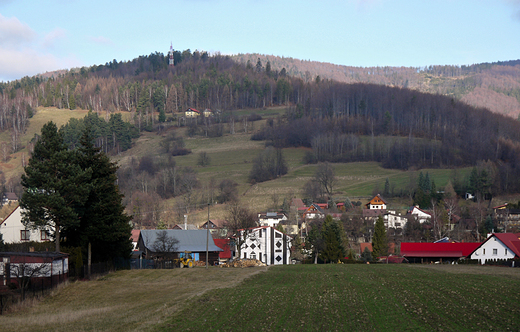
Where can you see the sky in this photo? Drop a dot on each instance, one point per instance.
(41, 36)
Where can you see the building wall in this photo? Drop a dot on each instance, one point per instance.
(492, 249)
(268, 245)
(12, 226)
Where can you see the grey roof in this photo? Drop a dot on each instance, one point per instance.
(189, 240)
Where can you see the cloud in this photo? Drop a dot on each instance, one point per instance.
(25, 53)
(13, 33)
(101, 40)
(15, 64)
(52, 37)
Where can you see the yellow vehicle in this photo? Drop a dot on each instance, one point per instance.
(187, 260)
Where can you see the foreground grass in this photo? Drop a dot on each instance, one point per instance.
(360, 298)
(122, 301)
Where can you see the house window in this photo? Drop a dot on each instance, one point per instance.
(253, 255)
(245, 255)
(277, 234)
(260, 256)
(260, 233)
(495, 251)
(484, 251)
(505, 251)
(44, 236)
(25, 235)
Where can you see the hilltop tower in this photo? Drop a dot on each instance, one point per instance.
(171, 55)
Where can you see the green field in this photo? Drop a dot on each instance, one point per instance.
(292, 298)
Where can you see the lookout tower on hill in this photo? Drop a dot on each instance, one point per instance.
(171, 55)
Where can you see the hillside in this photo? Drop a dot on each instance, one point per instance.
(495, 86)
(371, 132)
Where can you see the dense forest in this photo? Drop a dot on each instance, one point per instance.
(399, 127)
(495, 86)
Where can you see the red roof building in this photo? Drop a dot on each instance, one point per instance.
(420, 252)
(498, 246)
(224, 245)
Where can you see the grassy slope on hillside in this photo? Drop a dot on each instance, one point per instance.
(359, 298)
(14, 167)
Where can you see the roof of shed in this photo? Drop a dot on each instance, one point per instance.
(422, 249)
(189, 240)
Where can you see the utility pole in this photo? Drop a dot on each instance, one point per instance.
(207, 238)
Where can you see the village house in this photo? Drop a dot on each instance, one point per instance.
(191, 113)
(268, 245)
(376, 203)
(207, 113)
(498, 246)
(419, 214)
(394, 220)
(9, 198)
(217, 227)
(193, 241)
(271, 218)
(14, 231)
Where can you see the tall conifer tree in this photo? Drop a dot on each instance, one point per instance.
(379, 243)
(55, 186)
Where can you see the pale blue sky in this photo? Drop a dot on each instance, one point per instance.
(40, 36)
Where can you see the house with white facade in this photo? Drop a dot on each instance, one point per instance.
(14, 231)
(268, 245)
(376, 203)
(271, 218)
(498, 246)
(420, 215)
(394, 220)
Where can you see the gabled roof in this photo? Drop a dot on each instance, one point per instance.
(428, 249)
(224, 245)
(367, 213)
(419, 209)
(192, 110)
(188, 226)
(190, 240)
(214, 223)
(364, 245)
(297, 202)
(11, 196)
(135, 235)
(377, 200)
(314, 207)
(510, 240)
(10, 214)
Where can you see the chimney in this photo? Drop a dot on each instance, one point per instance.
(185, 222)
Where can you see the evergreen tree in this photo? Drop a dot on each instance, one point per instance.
(104, 223)
(55, 186)
(379, 244)
(333, 237)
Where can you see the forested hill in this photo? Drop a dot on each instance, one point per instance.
(397, 126)
(495, 86)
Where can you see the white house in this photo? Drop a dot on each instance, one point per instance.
(13, 230)
(498, 246)
(393, 220)
(376, 203)
(420, 215)
(271, 218)
(268, 245)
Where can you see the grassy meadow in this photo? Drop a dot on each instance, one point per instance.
(231, 157)
(292, 298)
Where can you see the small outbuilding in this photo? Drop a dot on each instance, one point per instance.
(193, 241)
(421, 252)
(44, 268)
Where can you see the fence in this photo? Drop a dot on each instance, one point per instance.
(37, 288)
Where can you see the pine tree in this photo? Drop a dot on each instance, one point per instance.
(104, 223)
(379, 244)
(55, 186)
(332, 234)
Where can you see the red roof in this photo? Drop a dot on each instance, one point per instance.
(224, 245)
(420, 249)
(511, 240)
(364, 245)
(135, 235)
